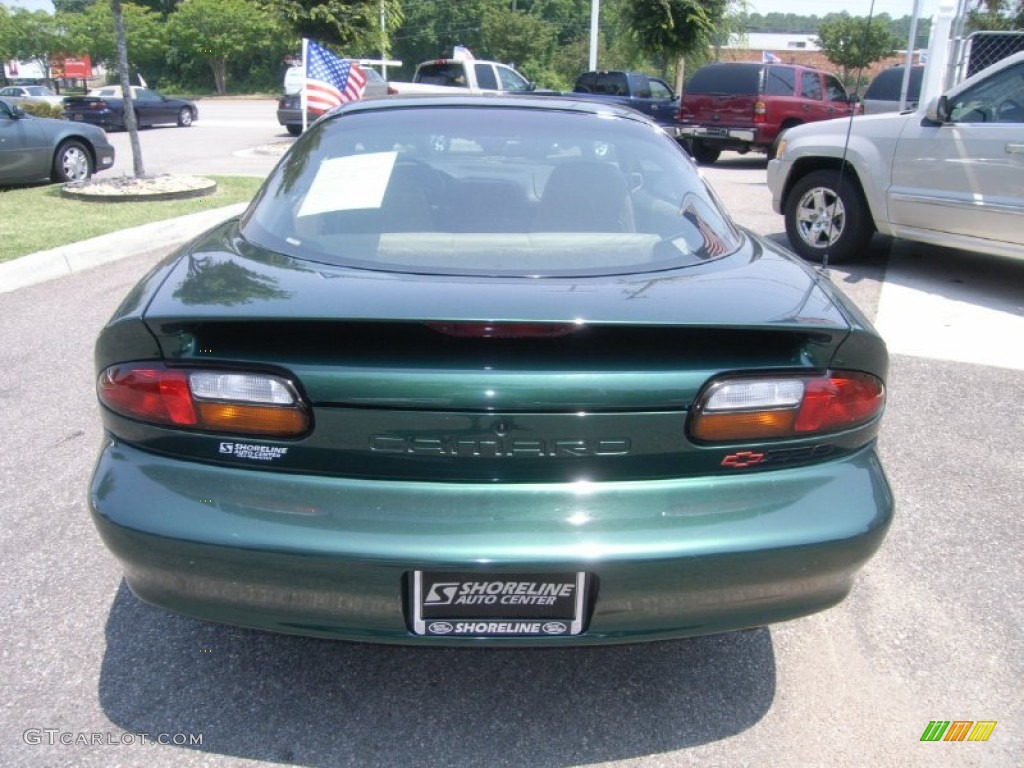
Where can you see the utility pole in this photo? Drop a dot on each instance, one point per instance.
(595, 10)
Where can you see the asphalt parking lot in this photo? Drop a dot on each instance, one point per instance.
(932, 631)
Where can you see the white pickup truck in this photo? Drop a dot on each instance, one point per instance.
(453, 75)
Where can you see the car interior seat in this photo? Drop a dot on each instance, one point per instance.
(585, 197)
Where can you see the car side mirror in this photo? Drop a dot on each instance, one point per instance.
(938, 110)
(854, 98)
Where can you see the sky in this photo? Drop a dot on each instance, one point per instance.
(32, 5)
(895, 8)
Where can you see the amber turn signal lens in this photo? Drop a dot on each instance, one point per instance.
(744, 425)
(251, 419)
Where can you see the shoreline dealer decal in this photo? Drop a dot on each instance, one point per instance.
(252, 451)
(452, 604)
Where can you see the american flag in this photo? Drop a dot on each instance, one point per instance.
(330, 81)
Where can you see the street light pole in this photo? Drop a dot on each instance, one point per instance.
(595, 10)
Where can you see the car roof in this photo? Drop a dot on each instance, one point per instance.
(496, 101)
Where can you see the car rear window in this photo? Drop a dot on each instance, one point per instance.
(611, 83)
(489, 191)
(887, 84)
(726, 78)
(444, 73)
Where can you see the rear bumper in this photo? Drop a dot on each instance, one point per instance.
(290, 117)
(718, 135)
(333, 557)
(103, 118)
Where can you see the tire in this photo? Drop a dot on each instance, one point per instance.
(294, 130)
(185, 117)
(72, 162)
(702, 153)
(824, 216)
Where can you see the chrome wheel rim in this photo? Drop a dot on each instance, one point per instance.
(186, 117)
(820, 217)
(75, 164)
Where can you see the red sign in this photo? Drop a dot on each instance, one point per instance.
(71, 67)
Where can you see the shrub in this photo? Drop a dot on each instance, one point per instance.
(41, 109)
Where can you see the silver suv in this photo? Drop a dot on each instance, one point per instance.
(950, 174)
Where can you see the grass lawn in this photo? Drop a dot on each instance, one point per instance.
(37, 218)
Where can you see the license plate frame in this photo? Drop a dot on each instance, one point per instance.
(497, 605)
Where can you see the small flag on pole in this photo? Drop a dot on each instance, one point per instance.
(768, 57)
(330, 81)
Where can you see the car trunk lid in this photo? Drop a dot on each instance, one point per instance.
(478, 379)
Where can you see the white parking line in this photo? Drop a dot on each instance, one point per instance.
(953, 305)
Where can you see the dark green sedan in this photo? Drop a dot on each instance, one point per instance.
(492, 370)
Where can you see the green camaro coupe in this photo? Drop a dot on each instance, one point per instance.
(489, 370)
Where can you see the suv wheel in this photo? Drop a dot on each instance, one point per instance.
(702, 153)
(826, 216)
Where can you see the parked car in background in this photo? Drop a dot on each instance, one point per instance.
(883, 93)
(489, 371)
(744, 106)
(39, 94)
(289, 106)
(640, 91)
(440, 76)
(105, 107)
(950, 175)
(39, 149)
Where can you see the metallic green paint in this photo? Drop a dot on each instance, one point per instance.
(329, 556)
(439, 452)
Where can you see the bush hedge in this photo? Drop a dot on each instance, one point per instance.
(42, 109)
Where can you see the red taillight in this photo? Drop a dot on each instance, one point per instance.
(505, 330)
(250, 403)
(149, 394)
(767, 408)
(760, 112)
(840, 401)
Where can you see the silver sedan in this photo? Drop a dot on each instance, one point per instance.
(39, 149)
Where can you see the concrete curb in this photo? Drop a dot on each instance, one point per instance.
(78, 257)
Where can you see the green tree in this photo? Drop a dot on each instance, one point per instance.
(218, 31)
(670, 29)
(92, 31)
(350, 24)
(855, 43)
(72, 6)
(996, 15)
(6, 36)
(429, 31)
(31, 36)
(519, 38)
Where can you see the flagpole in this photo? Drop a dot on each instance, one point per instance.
(305, 74)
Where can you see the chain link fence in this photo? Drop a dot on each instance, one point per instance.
(979, 50)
